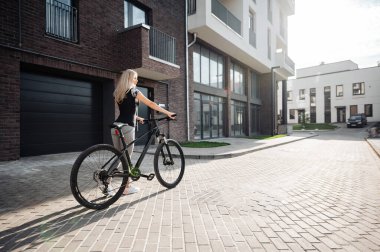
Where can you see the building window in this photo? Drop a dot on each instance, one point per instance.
(238, 117)
(302, 94)
(252, 28)
(62, 20)
(269, 41)
(208, 67)
(313, 97)
(290, 95)
(313, 108)
(368, 110)
(282, 24)
(353, 110)
(208, 114)
(339, 90)
(133, 15)
(292, 114)
(237, 78)
(269, 10)
(255, 90)
(358, 88)
(327, 98)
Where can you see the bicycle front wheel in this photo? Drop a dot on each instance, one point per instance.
(92, 185)
(169, 163)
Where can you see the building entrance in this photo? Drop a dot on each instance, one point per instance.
(341, 114)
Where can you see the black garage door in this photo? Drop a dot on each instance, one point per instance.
(59, 115)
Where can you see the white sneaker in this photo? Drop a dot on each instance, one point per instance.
(110, 191)
(131, 190)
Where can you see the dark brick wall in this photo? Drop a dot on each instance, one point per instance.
(96, 56)
(9, 105)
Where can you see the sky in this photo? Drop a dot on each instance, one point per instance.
(334, 30)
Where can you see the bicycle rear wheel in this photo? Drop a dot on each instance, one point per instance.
(90, 184)
(169, 163)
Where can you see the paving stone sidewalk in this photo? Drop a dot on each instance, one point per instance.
(283, 198)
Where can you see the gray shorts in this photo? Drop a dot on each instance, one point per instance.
(129, 136)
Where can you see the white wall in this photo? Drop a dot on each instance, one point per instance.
(370, 76)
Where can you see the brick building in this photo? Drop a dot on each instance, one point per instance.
(59, 61)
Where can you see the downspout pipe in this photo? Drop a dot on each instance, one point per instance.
(187, 73)
(19, 24)
(187, 69)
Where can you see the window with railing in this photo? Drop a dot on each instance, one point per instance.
(62, 20)
(226, 16)
(162, 45)
(191, 7)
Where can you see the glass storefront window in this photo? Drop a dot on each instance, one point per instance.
(207, 67)
(238, 118)
(196, 63)
(237, 79)
(208, 116)
(255, 92)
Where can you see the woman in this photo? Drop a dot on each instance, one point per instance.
(126, 95)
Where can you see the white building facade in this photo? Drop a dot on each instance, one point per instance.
(331, 93)
(239, 53)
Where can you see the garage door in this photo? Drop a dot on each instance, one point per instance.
(59, 115)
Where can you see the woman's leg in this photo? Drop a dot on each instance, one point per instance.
(129, 135)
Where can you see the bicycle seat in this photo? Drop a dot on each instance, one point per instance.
(118, 125)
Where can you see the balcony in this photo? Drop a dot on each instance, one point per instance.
(151, 52)
(286, 64)
(225, 16)
(61, 21)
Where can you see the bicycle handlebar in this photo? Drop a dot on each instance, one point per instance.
(159, 119)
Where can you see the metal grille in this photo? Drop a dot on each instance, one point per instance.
(162, 45)
(61, 20)
(191, 7)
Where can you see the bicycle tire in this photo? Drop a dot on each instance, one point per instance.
(168, 173)
(87, 177)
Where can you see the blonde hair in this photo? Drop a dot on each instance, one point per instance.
(124, 84)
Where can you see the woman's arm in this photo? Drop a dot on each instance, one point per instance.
(153, 105)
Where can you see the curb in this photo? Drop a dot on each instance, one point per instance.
(232, 155)
(373, 147)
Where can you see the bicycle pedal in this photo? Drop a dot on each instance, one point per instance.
(148, 177)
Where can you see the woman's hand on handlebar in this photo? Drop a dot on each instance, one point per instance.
(140, 120)
(172, 115)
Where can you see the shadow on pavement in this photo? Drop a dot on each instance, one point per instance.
(47, 228)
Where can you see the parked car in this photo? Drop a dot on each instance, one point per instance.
(357, 121)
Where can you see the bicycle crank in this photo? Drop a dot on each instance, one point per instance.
(148, 177)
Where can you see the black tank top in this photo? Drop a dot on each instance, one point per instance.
(127, 108)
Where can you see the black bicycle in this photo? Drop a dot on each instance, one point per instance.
(100, 173)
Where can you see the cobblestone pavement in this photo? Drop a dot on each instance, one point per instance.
(318, 194)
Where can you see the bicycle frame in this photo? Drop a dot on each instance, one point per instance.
(154, 132)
